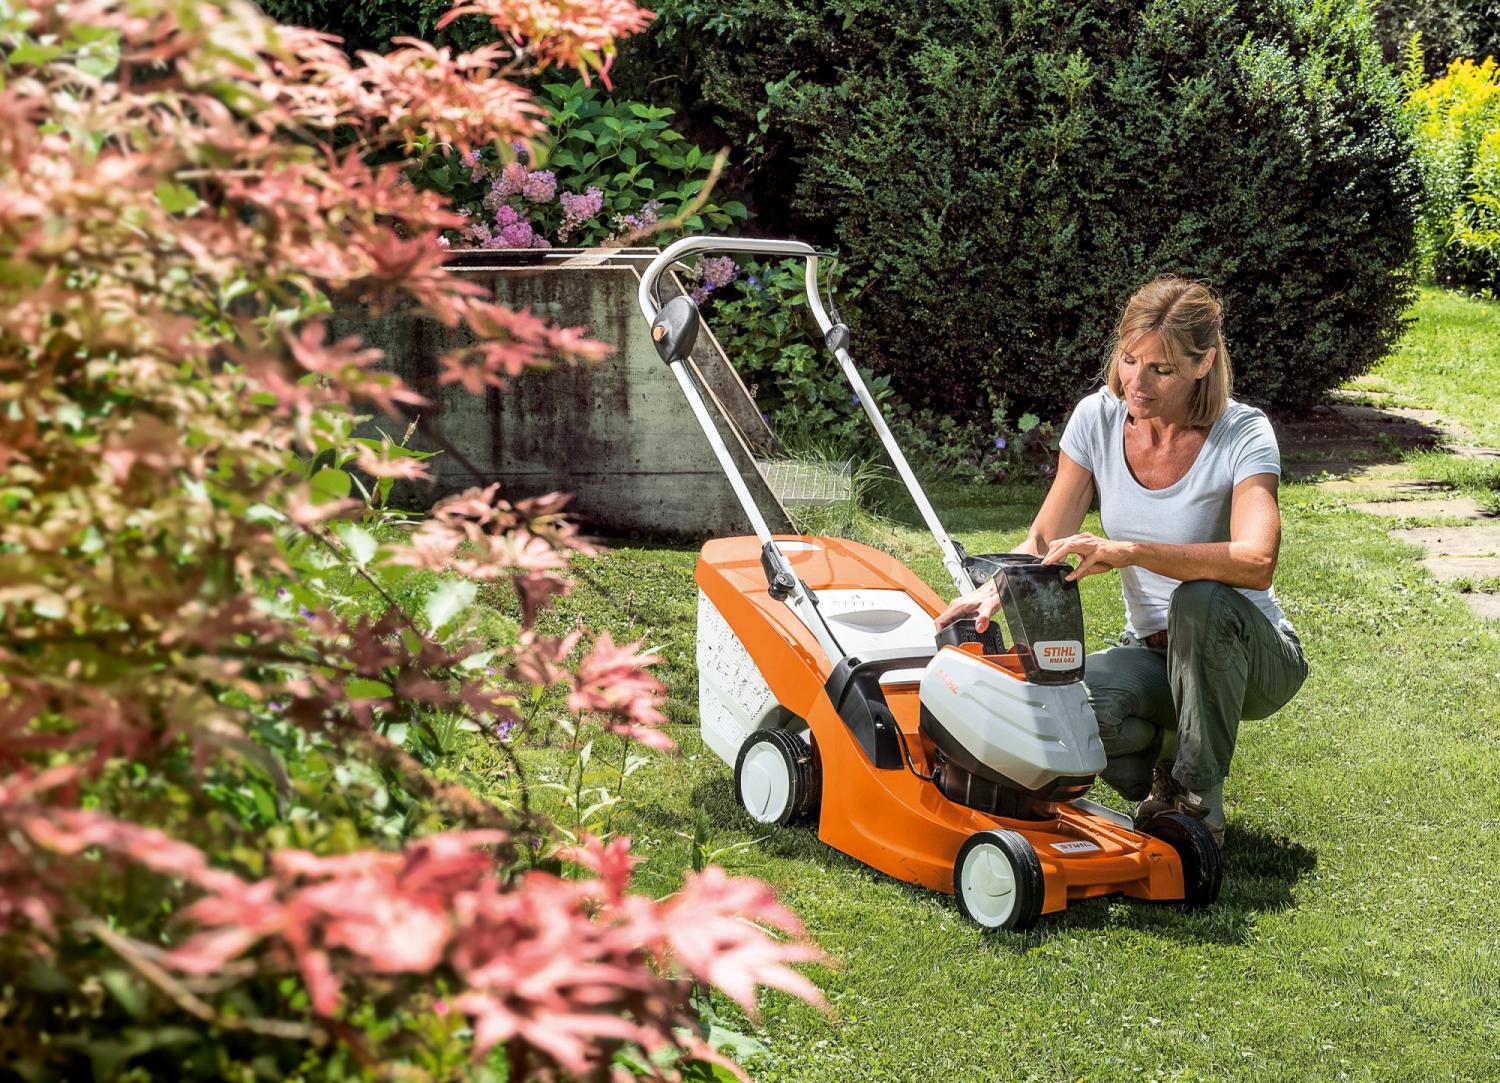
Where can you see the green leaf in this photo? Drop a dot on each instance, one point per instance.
(365, 688)
(447, 600)
(175, 198)
(361, 545)
(33, 52)
(329, 484)
(123, 988)
(1028, 422)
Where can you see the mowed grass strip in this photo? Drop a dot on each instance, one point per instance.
(1448, 361)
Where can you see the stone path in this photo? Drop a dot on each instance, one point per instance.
(1350, 445)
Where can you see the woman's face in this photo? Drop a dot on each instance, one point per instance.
(1153, 386)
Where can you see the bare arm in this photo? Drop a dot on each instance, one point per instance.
(1247, 559)
(1060, 515)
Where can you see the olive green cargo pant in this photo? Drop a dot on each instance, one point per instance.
(1224, 662)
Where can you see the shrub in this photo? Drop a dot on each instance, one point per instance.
(1003, 175)
(371, 24)
(1456, 122)
(220, 857)
(603, 168)
(1450, 29)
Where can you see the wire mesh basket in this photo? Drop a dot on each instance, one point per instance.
(797, 481)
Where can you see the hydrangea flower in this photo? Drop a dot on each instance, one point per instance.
(718, 271)
(579, 208)
(510, 182)
(641, 219)
(539, 186)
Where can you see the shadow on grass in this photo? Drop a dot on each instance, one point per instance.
(1260, 872)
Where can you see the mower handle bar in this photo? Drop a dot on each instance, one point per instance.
(646, 296)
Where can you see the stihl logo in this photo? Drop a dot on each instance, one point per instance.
(1059, 653)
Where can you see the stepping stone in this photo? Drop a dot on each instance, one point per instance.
(1480, 539)
(1446, 569)
(1371, 485)
(1454, 506)
(1472, 451)
(1420, 416)
(1487, 606)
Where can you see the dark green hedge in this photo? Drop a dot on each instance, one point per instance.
(371, 24)
(1004, 173)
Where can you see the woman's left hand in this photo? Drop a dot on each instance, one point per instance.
(1095, 554)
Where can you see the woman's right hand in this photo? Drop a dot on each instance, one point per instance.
(980, 604)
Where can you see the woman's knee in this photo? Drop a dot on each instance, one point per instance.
(1117, 703)
(1200, 604)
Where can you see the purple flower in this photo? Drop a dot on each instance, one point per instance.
(643, 218)
(578, 209)
(510, 182)
(476, 167)
(539, 187)
(1000, 442)
(506, 216)
(699, 295)
(523, 152)
(718, 271)
(443, 242)
(282, 592)
(754, 282)
(517, 235)
(307, 614)
(503, 729)
(854, 399)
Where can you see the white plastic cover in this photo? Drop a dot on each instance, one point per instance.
(1031, 734)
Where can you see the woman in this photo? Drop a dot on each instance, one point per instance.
(1187, 481)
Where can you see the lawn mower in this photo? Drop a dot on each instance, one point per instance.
(942, 758)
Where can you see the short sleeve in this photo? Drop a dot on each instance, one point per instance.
(1080, 438)
(1256, 450)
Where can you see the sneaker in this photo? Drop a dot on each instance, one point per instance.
(1206, 806)
(1163, 795)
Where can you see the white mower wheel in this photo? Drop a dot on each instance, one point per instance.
(775, 777)
(997, 881)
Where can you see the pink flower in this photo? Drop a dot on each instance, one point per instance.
(540, 186)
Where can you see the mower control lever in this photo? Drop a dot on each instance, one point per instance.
(780, 580)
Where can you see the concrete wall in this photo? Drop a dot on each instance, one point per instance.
(618, 434)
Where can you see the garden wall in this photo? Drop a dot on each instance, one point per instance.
(617, 434)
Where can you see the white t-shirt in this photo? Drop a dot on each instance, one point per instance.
(1195, 508)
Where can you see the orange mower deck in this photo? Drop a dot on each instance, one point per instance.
(889, 818)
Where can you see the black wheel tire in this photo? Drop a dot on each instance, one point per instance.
(795, 759)
(1025, 873)
(1202, 864)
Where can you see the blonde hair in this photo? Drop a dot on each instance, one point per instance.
(1189, 318)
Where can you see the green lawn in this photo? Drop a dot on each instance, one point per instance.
(1448, 361)
(1356, 934)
